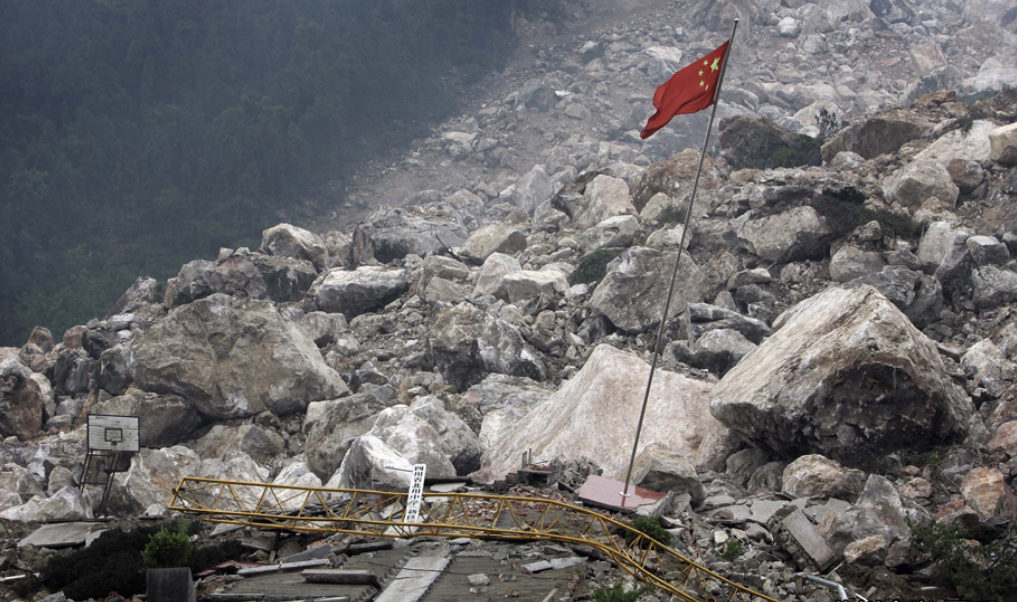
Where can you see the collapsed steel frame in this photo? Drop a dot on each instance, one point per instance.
(378, 514)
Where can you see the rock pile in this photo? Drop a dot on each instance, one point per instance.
(841, 342)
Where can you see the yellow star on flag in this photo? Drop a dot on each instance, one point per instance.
(715, 65)
(706, 62)
(701, 84)
(700, 73)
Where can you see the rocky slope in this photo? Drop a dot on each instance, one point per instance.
(841, 338)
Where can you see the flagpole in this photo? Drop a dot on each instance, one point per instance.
(674, 274)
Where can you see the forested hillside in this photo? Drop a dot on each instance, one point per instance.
(137, 135)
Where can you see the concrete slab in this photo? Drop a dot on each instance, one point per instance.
(413, 580)
(61, 535)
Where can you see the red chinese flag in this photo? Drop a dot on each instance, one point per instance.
(690, 90)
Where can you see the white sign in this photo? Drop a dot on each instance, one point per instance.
(416, 495)
(113, 433)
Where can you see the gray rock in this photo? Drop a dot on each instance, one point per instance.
(285, 279)
(465, 343)
(795, 234)
(413, 438)
(661, 469)
(164, 420)
(285, 240)
(845, 375)
(920, 297)
(338, 423)
(987, 250)
(65, 505)
(371, 464)
(115, 370)
(519, 287)
(918, 182)
(851, 262)
(533, 189)
(153, 475)
(884, 133)
(704, 318)
(495, 267)
(365, 289)
(816, 475)
(21, 399)
(494, 238)
(259, 443)
(1003, 144)
(144, 292)
(632, 293)
(392, 234)
(605, 197)
(617, 231)
(460, 444)
(233, 358)
(993, 287)
(324, 328)
(879, 511)
(581, 419)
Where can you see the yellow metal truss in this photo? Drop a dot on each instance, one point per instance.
(380, 514)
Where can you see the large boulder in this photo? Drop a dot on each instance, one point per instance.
(633, 292)
(466, 343)
(847, 376)
(884, 133)
(919, 296)
(880, 511)
(783, 237)
(365, 289)
(393, 234)
(673, 177)
(813, 474)
(918, 182)
(413, 438)
(1003, 144)
(532, 189)
(286, 240)
(21, 399)
(460, 444)
(67, 504)
(750, 142)
(164, 420)
(151, 479)
(604, 197)
(234, 358)
(145, 291)
(338, 422)
(494, 238)
(519, 287)
(260, 443)
(371, 464)
(491, 273)
(285, 279)
(593, 416)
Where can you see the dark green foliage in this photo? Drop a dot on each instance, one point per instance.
(803, 150)
(114, 562)
(617, 593)
(650, 527)
(844, 213)
(966, 122)
(672, 214)
(138, 135)
(731, 551)
(168, 548)
(593, 266)
(987, 571)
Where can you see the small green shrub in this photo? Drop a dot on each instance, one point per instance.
(672, 214)
(966, 122)
(617, 593)
(987, 571)
(168, 549)
(650, 527)
(845, 214)
(731, 551)
(593, 266)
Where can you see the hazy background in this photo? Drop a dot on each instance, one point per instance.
(138, 135)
